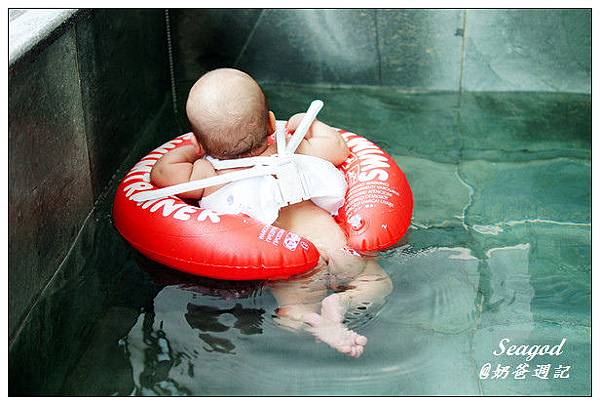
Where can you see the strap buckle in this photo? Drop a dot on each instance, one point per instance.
(290, 182)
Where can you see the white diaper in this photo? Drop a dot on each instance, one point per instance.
(261, 199)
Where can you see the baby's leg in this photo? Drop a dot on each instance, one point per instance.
(300, 299)
(299, 296)
(364, 280)
(370, 287)
(299, 303)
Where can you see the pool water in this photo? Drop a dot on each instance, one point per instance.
(499, 248)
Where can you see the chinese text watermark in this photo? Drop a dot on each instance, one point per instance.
(525, 370)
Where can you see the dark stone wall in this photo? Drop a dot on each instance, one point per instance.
(204, 39)
(53, 336)
(49, 194)
(409, 48)
(122, 56)
(79, 106)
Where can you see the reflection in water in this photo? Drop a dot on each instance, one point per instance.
(510, 292)
(195, 341)
(206, 318)
(164, 345)
(448, 309)
(188, 316)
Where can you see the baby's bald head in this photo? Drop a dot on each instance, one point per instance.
(228, 113)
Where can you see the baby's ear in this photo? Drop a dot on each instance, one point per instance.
(272, 122)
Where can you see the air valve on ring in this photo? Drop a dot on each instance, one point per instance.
(356, 222)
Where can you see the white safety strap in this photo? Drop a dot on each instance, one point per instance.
(302, 129)
(241, 162)
(290, 182)
(257, 171)
(280, 138)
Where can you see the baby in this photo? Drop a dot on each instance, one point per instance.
(230, 119)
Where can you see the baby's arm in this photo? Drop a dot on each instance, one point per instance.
(321, 140)
(180, 166)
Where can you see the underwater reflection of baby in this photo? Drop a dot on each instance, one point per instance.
(162, 346)
(230, 119)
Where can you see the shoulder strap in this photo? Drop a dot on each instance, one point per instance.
(238, 163)
(305, 124)
(280, 137)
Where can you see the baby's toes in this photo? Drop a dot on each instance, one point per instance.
(346, 349)
(361, 340)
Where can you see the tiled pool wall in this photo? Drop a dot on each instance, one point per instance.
(88, 100)
(417, 50)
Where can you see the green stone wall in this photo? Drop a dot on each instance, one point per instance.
(475, 50)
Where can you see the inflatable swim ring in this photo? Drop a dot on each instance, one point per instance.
(376, 215)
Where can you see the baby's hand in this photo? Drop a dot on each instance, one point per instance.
(294, 122)
(321, 140)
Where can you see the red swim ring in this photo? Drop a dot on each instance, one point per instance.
(376, 215)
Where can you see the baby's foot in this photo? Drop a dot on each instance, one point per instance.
(336, 335)
(334, 307)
